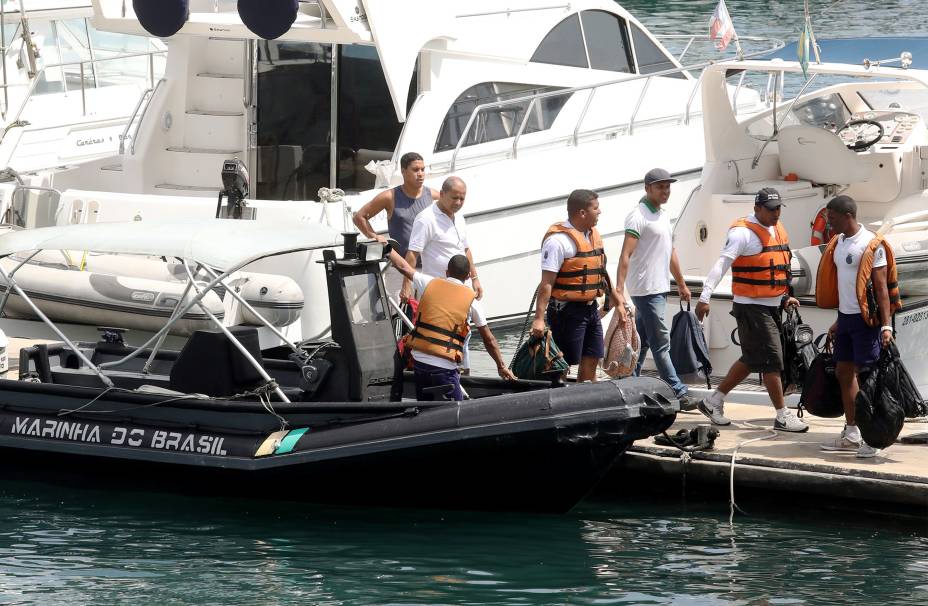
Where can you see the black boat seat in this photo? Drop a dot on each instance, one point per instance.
(211, 365)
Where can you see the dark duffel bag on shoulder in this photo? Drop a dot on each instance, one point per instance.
(821, 393)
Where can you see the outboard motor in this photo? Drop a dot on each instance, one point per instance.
(235, 190)
(361, 319)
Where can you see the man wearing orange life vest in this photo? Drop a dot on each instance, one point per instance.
(757, 251)
(854, 262)
(437, 340)
(573, 274)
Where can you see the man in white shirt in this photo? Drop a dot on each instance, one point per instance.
(856, 344)
(439, 233)
(648, 259)
(757, 251)
(436, 348)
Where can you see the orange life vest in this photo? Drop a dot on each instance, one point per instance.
(826, 281)
(821, 230)
(441, 323)
(583, 276)
(765, 274)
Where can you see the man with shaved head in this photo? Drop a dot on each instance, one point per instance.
(438, 234)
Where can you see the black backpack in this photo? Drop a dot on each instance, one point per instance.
(689, 352)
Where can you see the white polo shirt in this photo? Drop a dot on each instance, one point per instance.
(848, 252)
(437, 238)
(419, 281)
(649, 266)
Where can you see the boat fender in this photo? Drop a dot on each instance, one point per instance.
(269, 19)
(162, 18)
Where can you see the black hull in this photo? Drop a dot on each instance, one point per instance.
(539, 451)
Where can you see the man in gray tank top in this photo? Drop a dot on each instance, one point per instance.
(401, 203)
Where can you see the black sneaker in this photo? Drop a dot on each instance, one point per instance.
(686, 403)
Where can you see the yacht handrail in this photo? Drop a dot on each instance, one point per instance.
(145, 98)
(777, 45)
(35, 81)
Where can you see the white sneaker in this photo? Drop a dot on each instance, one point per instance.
(842, 444)
(865, 451)
(715, 412)
(790, 422)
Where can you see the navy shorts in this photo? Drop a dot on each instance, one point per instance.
(576, 329)
(434, 376)
(855, 341)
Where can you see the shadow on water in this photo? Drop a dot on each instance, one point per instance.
(80, 545)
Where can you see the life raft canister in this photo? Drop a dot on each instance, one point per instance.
(826, 281)
(821, 229)
(583, 276)
(767, 273)
(441, 322)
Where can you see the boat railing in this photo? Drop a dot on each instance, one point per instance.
(33, 84)
(143, 104)
(644, 80)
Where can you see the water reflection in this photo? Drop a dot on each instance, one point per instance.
(77, 546)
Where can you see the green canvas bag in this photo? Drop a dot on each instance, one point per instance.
(540, 359)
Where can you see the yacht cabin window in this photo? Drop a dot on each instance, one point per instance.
(563, 45)
(494, 124)
(650, 57)
(606, 41)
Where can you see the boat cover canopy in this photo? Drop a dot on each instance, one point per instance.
(223, 244)
(855, 50)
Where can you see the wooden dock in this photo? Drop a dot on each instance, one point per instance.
(788, 463)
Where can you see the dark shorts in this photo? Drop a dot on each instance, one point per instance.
(759, 335)
(433, 376)
(855, 341)
(576, 329)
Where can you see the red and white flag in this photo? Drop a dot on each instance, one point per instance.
(721, 29)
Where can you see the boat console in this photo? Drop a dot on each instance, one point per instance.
(890, 128)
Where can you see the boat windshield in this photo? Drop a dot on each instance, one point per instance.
(365, 303)
(828, 102)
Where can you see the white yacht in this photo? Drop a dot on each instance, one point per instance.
(856, 126)
(524, 102)
(67, 89)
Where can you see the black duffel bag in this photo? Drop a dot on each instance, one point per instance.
(880, 413)
(821, 393)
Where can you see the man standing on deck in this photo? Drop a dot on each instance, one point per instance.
(401, 203)
(573, 274)
(647, 261)
(757, 251)
(437, 341)
(854, 258)
(439, 233)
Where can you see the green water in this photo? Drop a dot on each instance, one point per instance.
(80, 546)
(74, 546)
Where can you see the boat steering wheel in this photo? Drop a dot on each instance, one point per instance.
(866, 133)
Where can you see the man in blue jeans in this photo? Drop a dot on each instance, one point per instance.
(647, 261)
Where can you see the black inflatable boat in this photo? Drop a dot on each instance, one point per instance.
(309, 421)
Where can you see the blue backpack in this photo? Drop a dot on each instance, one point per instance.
(689, 352)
